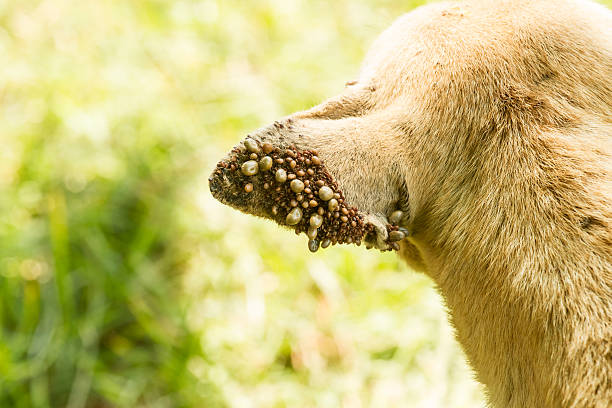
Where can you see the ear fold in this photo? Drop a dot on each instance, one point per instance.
(355, 101)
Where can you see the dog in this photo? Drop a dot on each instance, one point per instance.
(485, 128)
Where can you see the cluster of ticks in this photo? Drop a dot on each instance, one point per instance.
(301, 194)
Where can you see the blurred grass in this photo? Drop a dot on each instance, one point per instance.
(123, 283)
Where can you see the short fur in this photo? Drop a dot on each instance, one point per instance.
(492, 122)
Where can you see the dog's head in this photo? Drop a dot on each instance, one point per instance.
(440, 90)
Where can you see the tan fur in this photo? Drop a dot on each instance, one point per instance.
(492, 121)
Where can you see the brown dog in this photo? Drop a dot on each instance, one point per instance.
(489, 124)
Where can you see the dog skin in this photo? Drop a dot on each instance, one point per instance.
(490, 124)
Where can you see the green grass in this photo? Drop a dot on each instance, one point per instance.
(123, 283)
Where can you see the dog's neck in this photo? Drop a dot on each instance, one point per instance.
(523, 271)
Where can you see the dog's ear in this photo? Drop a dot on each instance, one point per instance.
(332, 168)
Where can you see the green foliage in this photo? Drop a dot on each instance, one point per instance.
(123, 283)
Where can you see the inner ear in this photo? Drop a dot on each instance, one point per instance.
(403, 203)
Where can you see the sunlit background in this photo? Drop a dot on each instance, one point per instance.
(124, 284)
